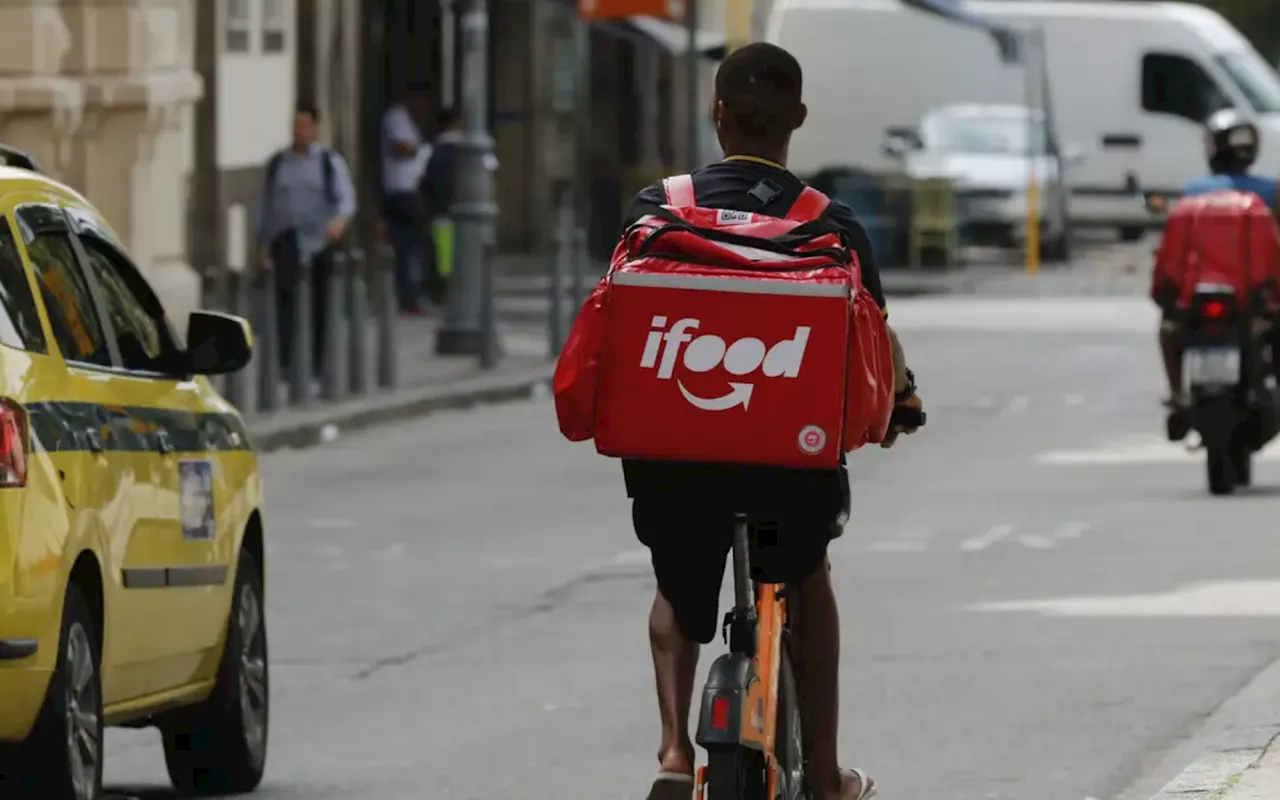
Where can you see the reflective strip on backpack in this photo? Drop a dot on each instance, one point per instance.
(707, 283)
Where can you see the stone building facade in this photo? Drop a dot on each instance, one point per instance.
(164, 112)
(102, 92)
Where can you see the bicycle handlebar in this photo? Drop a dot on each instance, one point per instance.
(908, 417)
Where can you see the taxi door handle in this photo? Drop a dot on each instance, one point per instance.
(94, 440)
(163, 443)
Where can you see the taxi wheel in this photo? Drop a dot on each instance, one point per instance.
(220, 746)
(65, 749)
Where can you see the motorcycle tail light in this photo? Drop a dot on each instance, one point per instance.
(1214, 309)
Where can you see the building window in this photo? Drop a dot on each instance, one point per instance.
(239, 23)
(275, 26)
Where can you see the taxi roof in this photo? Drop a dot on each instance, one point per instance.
(18, 179)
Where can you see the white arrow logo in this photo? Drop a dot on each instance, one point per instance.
(739, 395)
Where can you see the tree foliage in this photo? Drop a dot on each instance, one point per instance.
(1258, 20)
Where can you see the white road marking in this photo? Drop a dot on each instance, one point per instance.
(1070, 530)
(1208, 599)
(1018, 404)
(1036, 542)
(995, 534)
(1134, 314)
(1073, 400)
(1143, 449)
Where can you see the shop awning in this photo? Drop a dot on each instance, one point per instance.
(670, 36)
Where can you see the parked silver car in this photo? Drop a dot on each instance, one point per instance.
(989, 152)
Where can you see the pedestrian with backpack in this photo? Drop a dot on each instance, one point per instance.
(308, 201)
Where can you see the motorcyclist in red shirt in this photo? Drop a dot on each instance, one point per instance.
(1210, 235)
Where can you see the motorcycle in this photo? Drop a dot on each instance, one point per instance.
(1226, 369)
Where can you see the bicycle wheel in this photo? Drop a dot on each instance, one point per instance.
(735, 773)
(788, 747)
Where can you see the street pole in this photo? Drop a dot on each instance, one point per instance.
(448, 29)
(474, 210)
(694, 109)
(1031, 56)
(759, 19)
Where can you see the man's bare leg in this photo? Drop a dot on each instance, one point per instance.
(815, 624)
(675, 662)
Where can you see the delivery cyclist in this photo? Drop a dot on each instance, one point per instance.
(683, 512)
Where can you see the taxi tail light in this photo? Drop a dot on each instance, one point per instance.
(15, 444)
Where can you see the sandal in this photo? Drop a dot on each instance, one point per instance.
(866, 786)
(673, 786)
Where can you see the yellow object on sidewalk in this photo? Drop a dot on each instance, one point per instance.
(442, 235)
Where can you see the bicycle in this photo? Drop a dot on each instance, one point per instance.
(749, 720)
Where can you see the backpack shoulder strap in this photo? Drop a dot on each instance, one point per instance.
(679, 190)
(810, 205)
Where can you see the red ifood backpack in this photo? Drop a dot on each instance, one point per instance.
(728, 337)
(1226, 237)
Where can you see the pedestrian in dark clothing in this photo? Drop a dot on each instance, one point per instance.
(308, 200)
(437, 188)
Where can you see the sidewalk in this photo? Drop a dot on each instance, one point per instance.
(1260, 781)
(1098, 268)
(427, 383)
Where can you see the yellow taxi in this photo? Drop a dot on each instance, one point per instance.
(131, 536)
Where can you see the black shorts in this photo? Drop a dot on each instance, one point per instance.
(690, 548)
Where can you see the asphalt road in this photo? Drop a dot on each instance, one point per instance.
(457, 606)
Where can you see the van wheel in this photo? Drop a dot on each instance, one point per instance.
(220, 746)
(65, 749)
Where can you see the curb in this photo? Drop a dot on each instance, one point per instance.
(1234, 739)
(309, 429)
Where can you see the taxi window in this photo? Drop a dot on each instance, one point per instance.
(19, 319)
(137, 317)
(66, 297)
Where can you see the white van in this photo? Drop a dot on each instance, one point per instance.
(1130, 83)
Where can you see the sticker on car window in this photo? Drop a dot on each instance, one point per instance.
(196, 496)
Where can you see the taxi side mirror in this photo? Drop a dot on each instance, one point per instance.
(218, 343)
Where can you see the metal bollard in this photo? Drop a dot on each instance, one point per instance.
(335, 351)
(357, 325)
(560, 265)
(237, 383)
(269, 355)
(210, 290)
(580, 257)
(385, 288)
(490, 346)
(300, 366)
